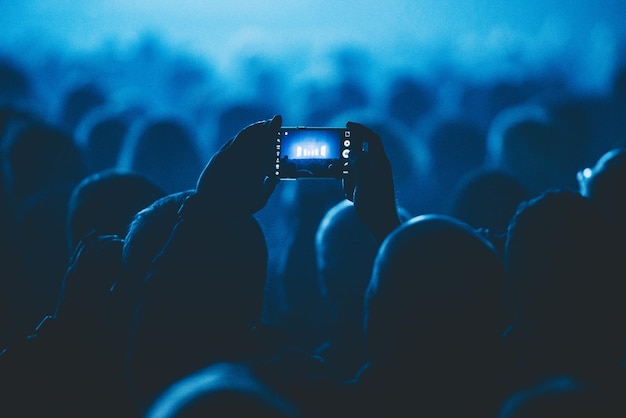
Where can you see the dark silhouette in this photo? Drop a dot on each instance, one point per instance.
(345, 251)
(147, 233)
(205, 291)
(409, 100)
(238, 114)
(104, 203)
(407, 151)
(11, 119)
(455, 147)
(565, 286)
(42, 166)
(563, 397)
(605, 184)
(225, 390)
(199, 268)
(526, 142)
(303, 314)
(16, 85)
(486, 200)
(165, 150)
(40, 157)
(101, 134)
(433, 314)
(78, 101)
(73, 360)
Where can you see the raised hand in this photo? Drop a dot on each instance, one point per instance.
(369, 184)
(238, 179)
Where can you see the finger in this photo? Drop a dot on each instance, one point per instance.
(275, 123)
(349, 182)
(261, 135)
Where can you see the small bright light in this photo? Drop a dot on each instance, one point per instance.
(587, 173)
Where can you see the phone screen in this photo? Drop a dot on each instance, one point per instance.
(306, 152)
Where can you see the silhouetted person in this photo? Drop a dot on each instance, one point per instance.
(200, 303)
(433, 317)
(455, 147)
(72, 363)
(235, 115)
(409, 100)
(562, 397)
(40, 157)
(11, 119)
(104, 203)
(225, 390)
(147, 233)
(525, 142)
(482, 102)
(42, 166)
(407, 151)
(101, 134)
(487, 200)
(303, 315)
(345, 251)
(565, 289)
(78, 101)
(605, 184)
(16, 86)
(166, 151)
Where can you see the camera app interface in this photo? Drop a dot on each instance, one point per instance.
(312, 152)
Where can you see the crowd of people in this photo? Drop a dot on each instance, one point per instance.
(468, 264)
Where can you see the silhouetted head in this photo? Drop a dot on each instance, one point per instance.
(106, 202)
(345, 251)
(526, 142)
(79, 100)
(487, 199)
(95, 266)
(410, 99)
(238, 114)
(435, 283)
(15, 82)
(147, 233)
(605, 184)
(41, 157)
(101, 134)
(345, 254)
(166, 151)
(224, 390)
(456, 147)
(216, 267)
(199, 303)
(563, 279)
(561, 397)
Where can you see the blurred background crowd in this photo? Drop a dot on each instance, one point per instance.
(157, 88)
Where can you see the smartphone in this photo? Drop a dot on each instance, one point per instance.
(309, 152)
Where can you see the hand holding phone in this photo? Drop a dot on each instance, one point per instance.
(311, 152)
(369, 182)
(237, 180)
